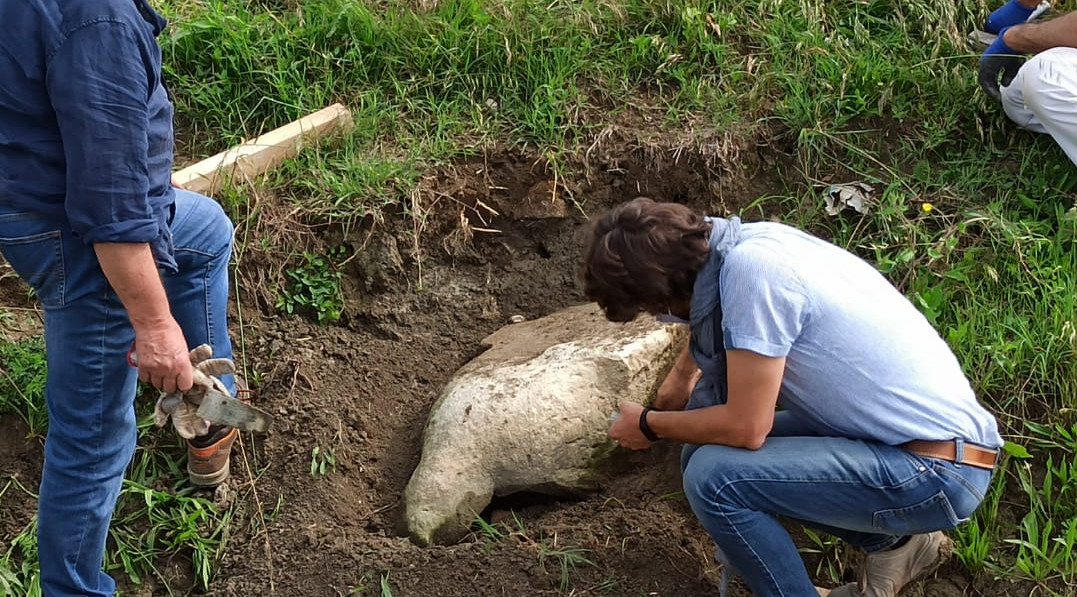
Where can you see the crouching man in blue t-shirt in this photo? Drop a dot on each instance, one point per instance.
(879, 439)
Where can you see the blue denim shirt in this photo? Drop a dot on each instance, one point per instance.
(85, 121)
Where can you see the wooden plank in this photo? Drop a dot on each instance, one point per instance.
(254, 158)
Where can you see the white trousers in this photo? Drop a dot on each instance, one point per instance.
(1043, 97)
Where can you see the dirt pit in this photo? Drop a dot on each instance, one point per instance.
(498, 237)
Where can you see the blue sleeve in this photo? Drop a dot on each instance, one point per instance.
(764, 303)
(99, 83)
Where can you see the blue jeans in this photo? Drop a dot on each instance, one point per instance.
(90, 388)
(868, 494)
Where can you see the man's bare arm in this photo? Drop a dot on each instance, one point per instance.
(162, 351)
(676, 389)
(743, 421)
(1032, 38)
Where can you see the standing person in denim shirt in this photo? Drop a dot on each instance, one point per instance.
(879, 439)
(116, 255)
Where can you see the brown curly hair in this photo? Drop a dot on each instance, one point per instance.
(643, 256)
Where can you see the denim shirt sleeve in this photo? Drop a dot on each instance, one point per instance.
(99, 82)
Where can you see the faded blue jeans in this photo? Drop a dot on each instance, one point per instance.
(90, 388)
(868, 494)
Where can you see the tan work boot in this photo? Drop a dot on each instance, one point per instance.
(885, 573)
(208, 456)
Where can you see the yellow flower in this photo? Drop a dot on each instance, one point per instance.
(927, 207)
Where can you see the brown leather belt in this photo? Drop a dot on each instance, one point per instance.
(947, 450)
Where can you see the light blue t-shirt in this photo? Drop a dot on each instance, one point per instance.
(861, 361)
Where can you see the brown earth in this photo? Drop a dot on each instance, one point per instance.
(421, 293)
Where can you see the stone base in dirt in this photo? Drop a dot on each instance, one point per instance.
(531, 413)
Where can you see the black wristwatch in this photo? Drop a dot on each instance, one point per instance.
(645, 428)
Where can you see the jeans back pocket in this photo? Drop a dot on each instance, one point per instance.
(38, 259)
(933, 514)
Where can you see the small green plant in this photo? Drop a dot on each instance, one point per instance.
(567, 558)
(829, 549)
(609, 586)
(386, 589)
(177, 524)
(976, 539)
(19, 572)
(1044, 552)
(6, 316)
(22, 382)
(493, 533)
(489, 531)
(322, 461)
(314, 287)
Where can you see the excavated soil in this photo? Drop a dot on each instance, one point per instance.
(485, 241)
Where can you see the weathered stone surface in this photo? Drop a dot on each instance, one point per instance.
(531, 414)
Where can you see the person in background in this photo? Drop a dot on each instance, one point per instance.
(1013, 12)
(1039, 92)
(122, 262)
(879, 439)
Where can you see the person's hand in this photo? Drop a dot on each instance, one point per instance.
(182, 407)
(175, 183)
(625, 428)
(998, 66)
(162, 358)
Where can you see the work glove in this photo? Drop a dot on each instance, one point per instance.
(182, 407)
(1009, 14)
(998, 66)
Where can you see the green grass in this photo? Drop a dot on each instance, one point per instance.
(973, 219)
(1046, 538)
